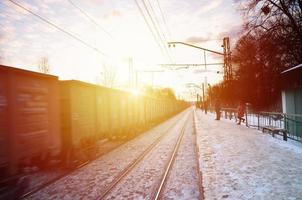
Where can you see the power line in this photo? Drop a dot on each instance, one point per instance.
(156, 20)
(59, 28)
(150, 28)
(190, 64)
(156, 29)
(164, 19)
(158, 24)
(90, 18)
(160, 29)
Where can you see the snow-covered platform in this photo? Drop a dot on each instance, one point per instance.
(238, 162)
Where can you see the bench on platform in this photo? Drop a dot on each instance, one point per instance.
(276, 130)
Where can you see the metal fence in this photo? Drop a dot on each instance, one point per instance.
(292, 123)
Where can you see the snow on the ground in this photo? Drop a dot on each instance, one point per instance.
(183, 182)
(242, 163)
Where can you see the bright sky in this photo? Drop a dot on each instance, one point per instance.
(120, 33)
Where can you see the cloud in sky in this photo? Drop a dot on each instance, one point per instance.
(113, 14)
(196, 39)
(7, 33)
(19, 10)
(97, 2)
(234, 32)
(210, 5)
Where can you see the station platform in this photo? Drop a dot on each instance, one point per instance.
(238, 162)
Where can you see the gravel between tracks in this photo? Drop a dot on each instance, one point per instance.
(183, 180)
(88, 182)
(140, 182)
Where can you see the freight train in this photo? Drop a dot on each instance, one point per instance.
(42, 117)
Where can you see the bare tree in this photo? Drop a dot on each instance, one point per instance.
(44, 65)
(108, 76)
(280, 20)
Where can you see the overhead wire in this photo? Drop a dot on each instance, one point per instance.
(158, 24)
(156, 30)
(164, 19)
(90, 18)
(97, 24)
(155, 25)
(150, 28)
(59, 28)
(158, 38)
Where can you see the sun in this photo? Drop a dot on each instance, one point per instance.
(135, 92)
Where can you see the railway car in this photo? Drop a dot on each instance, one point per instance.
(129, 115)
(29, 118)
(78, 119)
(141, 121)
(103, 112)
(125, 121)
(114, 114)
(148, 113)
(90, 113)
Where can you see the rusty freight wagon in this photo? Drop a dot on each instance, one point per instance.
(29, 118)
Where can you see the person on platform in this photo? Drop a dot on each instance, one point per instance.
(205, 104)
(217, 109)
(240, 113)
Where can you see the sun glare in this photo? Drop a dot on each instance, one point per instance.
(135, 92)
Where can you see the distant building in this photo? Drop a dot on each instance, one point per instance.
(292, 99)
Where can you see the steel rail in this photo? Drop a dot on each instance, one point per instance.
(163, 179)
(129, 168)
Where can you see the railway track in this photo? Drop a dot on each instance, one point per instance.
(164, 177)
(131, 166)
(185, 153)
(158, 191)
(159, 184)
(35, 190)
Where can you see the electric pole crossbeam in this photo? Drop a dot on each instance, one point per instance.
(227, 65)
(197, 47)
(190, 65)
